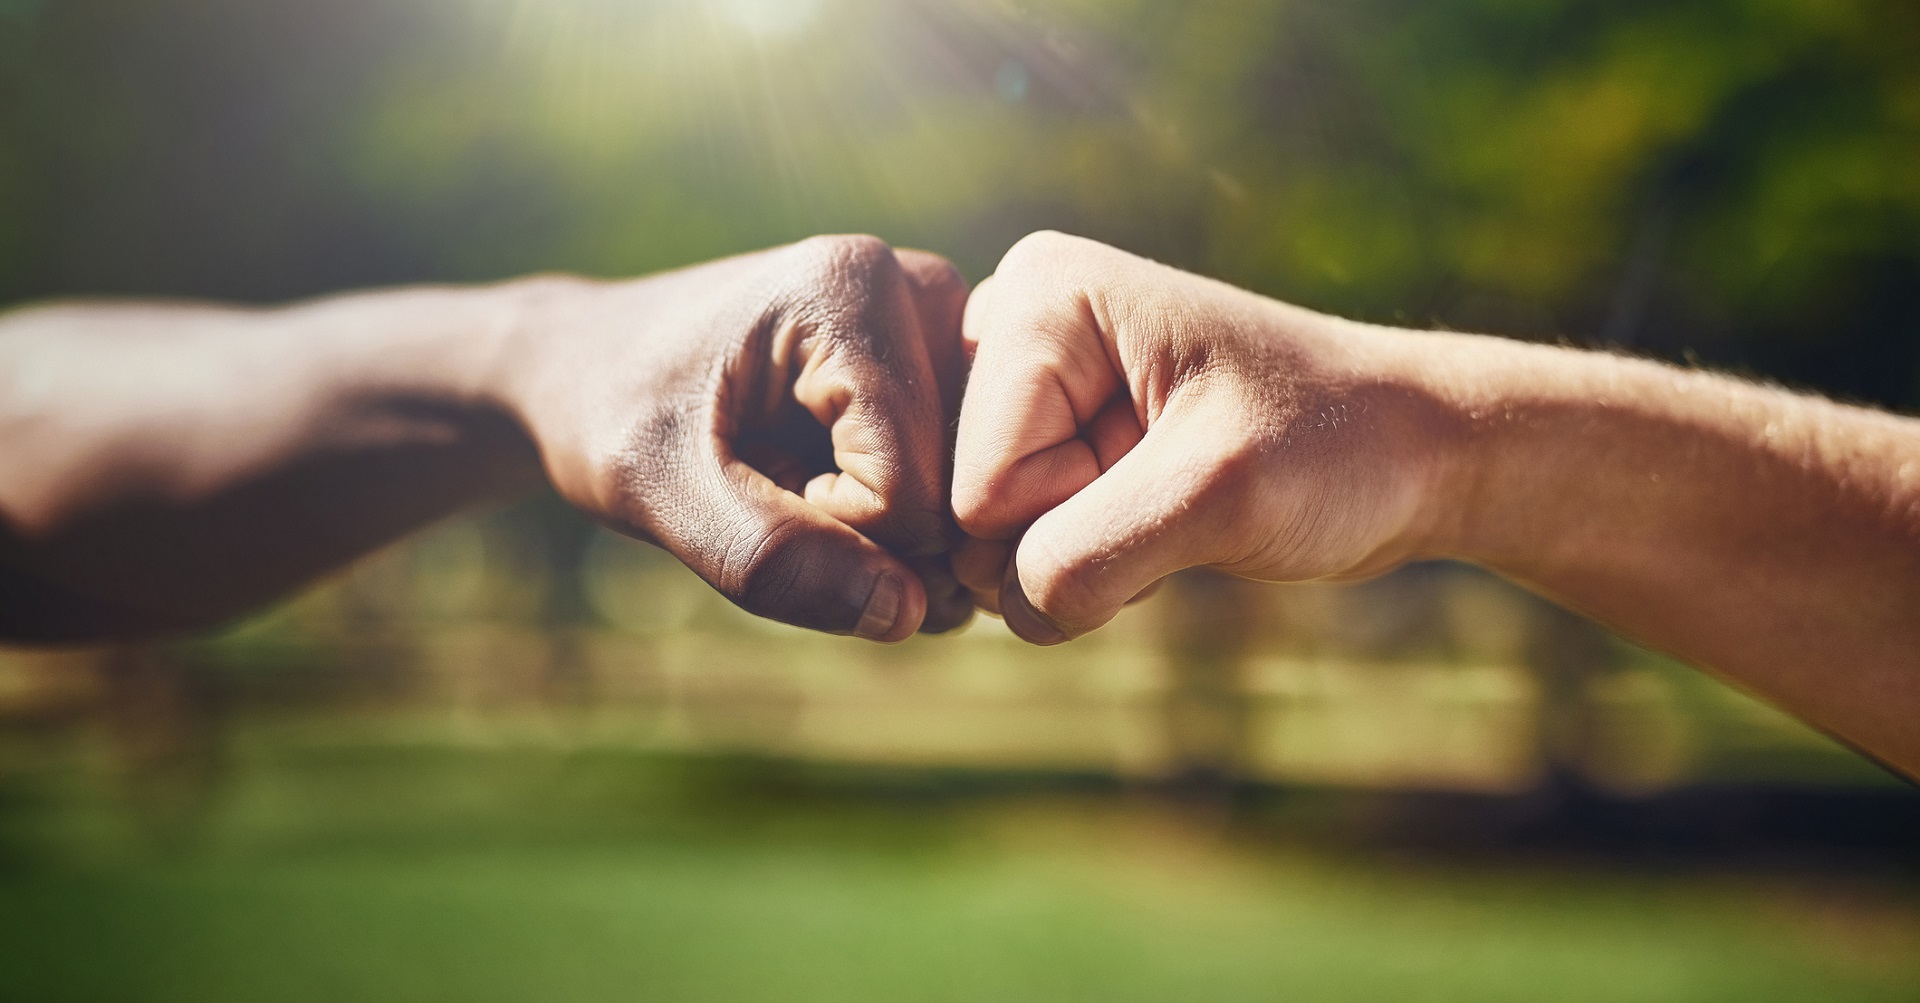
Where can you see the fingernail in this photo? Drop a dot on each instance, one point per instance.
(1023, 619)
(882, 610)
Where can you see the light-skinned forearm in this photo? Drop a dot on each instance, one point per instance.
(1771, 537)
(1126, 420)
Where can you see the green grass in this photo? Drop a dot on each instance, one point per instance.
(517, 875)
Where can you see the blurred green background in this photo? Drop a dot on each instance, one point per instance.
(517, 758)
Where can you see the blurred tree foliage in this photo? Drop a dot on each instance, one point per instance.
(1732, 180)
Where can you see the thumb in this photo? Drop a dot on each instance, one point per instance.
(1155, 511)
(774, 555)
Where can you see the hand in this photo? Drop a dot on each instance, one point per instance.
(1125, 420)
(778, 421)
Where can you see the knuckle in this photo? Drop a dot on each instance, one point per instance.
(1042, 248)
(980, 565)
(852, 289)
(1045, 285)
(972, 508)
(854, 256)
(762, 568)
(982, 319)
(945, 275)
(932, 270)
(1059, 587)
(980, 497)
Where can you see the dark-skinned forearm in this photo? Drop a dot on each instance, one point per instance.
(170, 465)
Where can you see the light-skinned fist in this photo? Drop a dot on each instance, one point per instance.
(1125, 420)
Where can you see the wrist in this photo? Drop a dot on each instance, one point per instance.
(427, 363)
(503, 362)
(1440, 404)
(1511, 418)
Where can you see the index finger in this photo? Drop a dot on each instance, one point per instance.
(1031, 427)
(867, 373)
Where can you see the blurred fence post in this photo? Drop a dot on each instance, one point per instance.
(1205, 637)
(1566, 652)
(163, 712)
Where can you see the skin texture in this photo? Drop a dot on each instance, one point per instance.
(1125, 420)
(776, 420)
